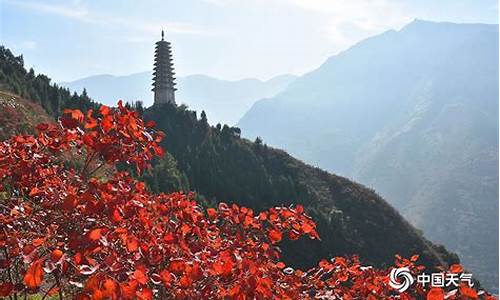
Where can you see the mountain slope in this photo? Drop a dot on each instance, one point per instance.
(413, 114)
(224, 101)
(351, 218)
(19, 116)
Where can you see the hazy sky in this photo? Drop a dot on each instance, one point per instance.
(228, 39)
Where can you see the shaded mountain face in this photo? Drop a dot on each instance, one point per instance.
(221, 166)
(224, 101)
(413, 114)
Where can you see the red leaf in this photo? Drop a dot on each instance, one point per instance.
(212, 213)
(69, 203)
(5, 289)
(68, 122)
(76, 114)
(468, 292)
(166, 277)
(435, 294)
(107, 123)
(145, 294)
(177, 266)
(42, 126)
(168, 238)
(158, 150)
(116, 216)
(140, 275)
(38, 241)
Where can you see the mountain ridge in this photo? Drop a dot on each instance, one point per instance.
(224, 101)
(412, 113)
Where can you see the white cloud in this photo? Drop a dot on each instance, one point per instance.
(78, 12)
(74, 11)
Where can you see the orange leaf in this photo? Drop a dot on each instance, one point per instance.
(91, 123)
(212, 213)
(132, 243)
(34, 191)
(34, 276)
(275, 235)
(456, 268)
(53, 291)
(306, 227)
(104, 110)
(128, 289)
(38, 241)
(56, 255)
(95, 234)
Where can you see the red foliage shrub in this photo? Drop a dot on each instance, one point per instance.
(66, 232)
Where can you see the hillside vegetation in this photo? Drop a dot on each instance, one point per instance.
(38, 88)
(220, 166)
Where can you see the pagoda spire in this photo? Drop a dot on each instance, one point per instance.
(163, 75)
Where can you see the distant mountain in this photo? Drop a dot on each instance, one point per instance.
(413, 114)
(224, 101)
